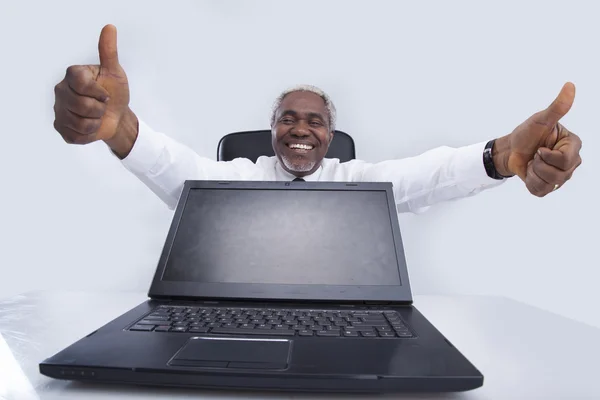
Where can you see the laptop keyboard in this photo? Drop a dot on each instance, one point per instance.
(274, 322)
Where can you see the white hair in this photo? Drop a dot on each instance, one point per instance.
(331, 112)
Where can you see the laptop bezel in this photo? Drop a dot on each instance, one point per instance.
(271, 292)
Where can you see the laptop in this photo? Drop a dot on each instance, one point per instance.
(288, 286)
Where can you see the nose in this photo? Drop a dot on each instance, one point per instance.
(301, 129)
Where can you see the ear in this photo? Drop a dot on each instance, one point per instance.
(330, 136)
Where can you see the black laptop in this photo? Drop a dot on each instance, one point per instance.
(298, 286)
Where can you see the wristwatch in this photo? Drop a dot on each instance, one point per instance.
(488, 162)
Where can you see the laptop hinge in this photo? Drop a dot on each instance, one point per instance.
(370, 303)
(385, 303)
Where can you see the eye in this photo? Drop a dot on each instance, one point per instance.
(316, 123)
(287, 121)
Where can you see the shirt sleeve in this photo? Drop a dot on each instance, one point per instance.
(440, 174)
(164, 165)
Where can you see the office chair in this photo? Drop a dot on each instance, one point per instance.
(253, 144)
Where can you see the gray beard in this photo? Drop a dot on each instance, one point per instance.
(297, 167)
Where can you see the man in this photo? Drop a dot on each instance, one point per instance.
(92, 103)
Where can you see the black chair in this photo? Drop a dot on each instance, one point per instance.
(253, 144)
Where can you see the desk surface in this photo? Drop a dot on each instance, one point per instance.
(523, 352)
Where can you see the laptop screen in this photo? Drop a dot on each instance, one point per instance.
(324, 237)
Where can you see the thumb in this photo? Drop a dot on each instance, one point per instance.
(560, 106)
(107, 47)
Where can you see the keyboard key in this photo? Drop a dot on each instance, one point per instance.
(198, 330)
(368, 334)
(261, 332)
(400, 328)
(360, 328)
(404, 334)
(374, 319)
(371, 323)
(328, 333)
(162, 328)
(146, 322)
(157, 318)
(387, 334)
(305, 333)
(144, 328)
(159, 314)
(350, 333)
(178, 329)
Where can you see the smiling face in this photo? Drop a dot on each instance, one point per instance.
(301, 134)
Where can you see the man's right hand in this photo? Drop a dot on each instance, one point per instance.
(92, 101)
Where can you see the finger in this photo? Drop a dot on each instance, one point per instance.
(548, 173)
(560, 106)
(83, 106)
(82, 79)
(564, 159)
(81, 125)
(107, 47)
(72, 137)
(536, 185)
(568, 141)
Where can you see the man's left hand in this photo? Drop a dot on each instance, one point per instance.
(541, 151)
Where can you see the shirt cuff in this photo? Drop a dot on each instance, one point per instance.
(469, 166)
(146, 150)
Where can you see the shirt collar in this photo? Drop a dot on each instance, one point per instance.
(283, 175)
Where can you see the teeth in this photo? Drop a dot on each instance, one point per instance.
(301, 146)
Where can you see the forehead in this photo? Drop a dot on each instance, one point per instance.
(303, 102)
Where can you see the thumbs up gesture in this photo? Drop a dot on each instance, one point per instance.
(92, 101)
(541, 151)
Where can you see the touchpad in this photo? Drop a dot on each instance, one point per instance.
(254, 353)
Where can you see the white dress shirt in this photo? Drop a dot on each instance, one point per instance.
(437, 175)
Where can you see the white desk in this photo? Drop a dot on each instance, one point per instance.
(523, 352)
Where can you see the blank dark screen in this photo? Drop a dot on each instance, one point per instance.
(284, 237)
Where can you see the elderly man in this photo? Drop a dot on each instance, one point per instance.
(92, 103)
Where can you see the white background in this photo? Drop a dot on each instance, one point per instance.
(406, 76)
